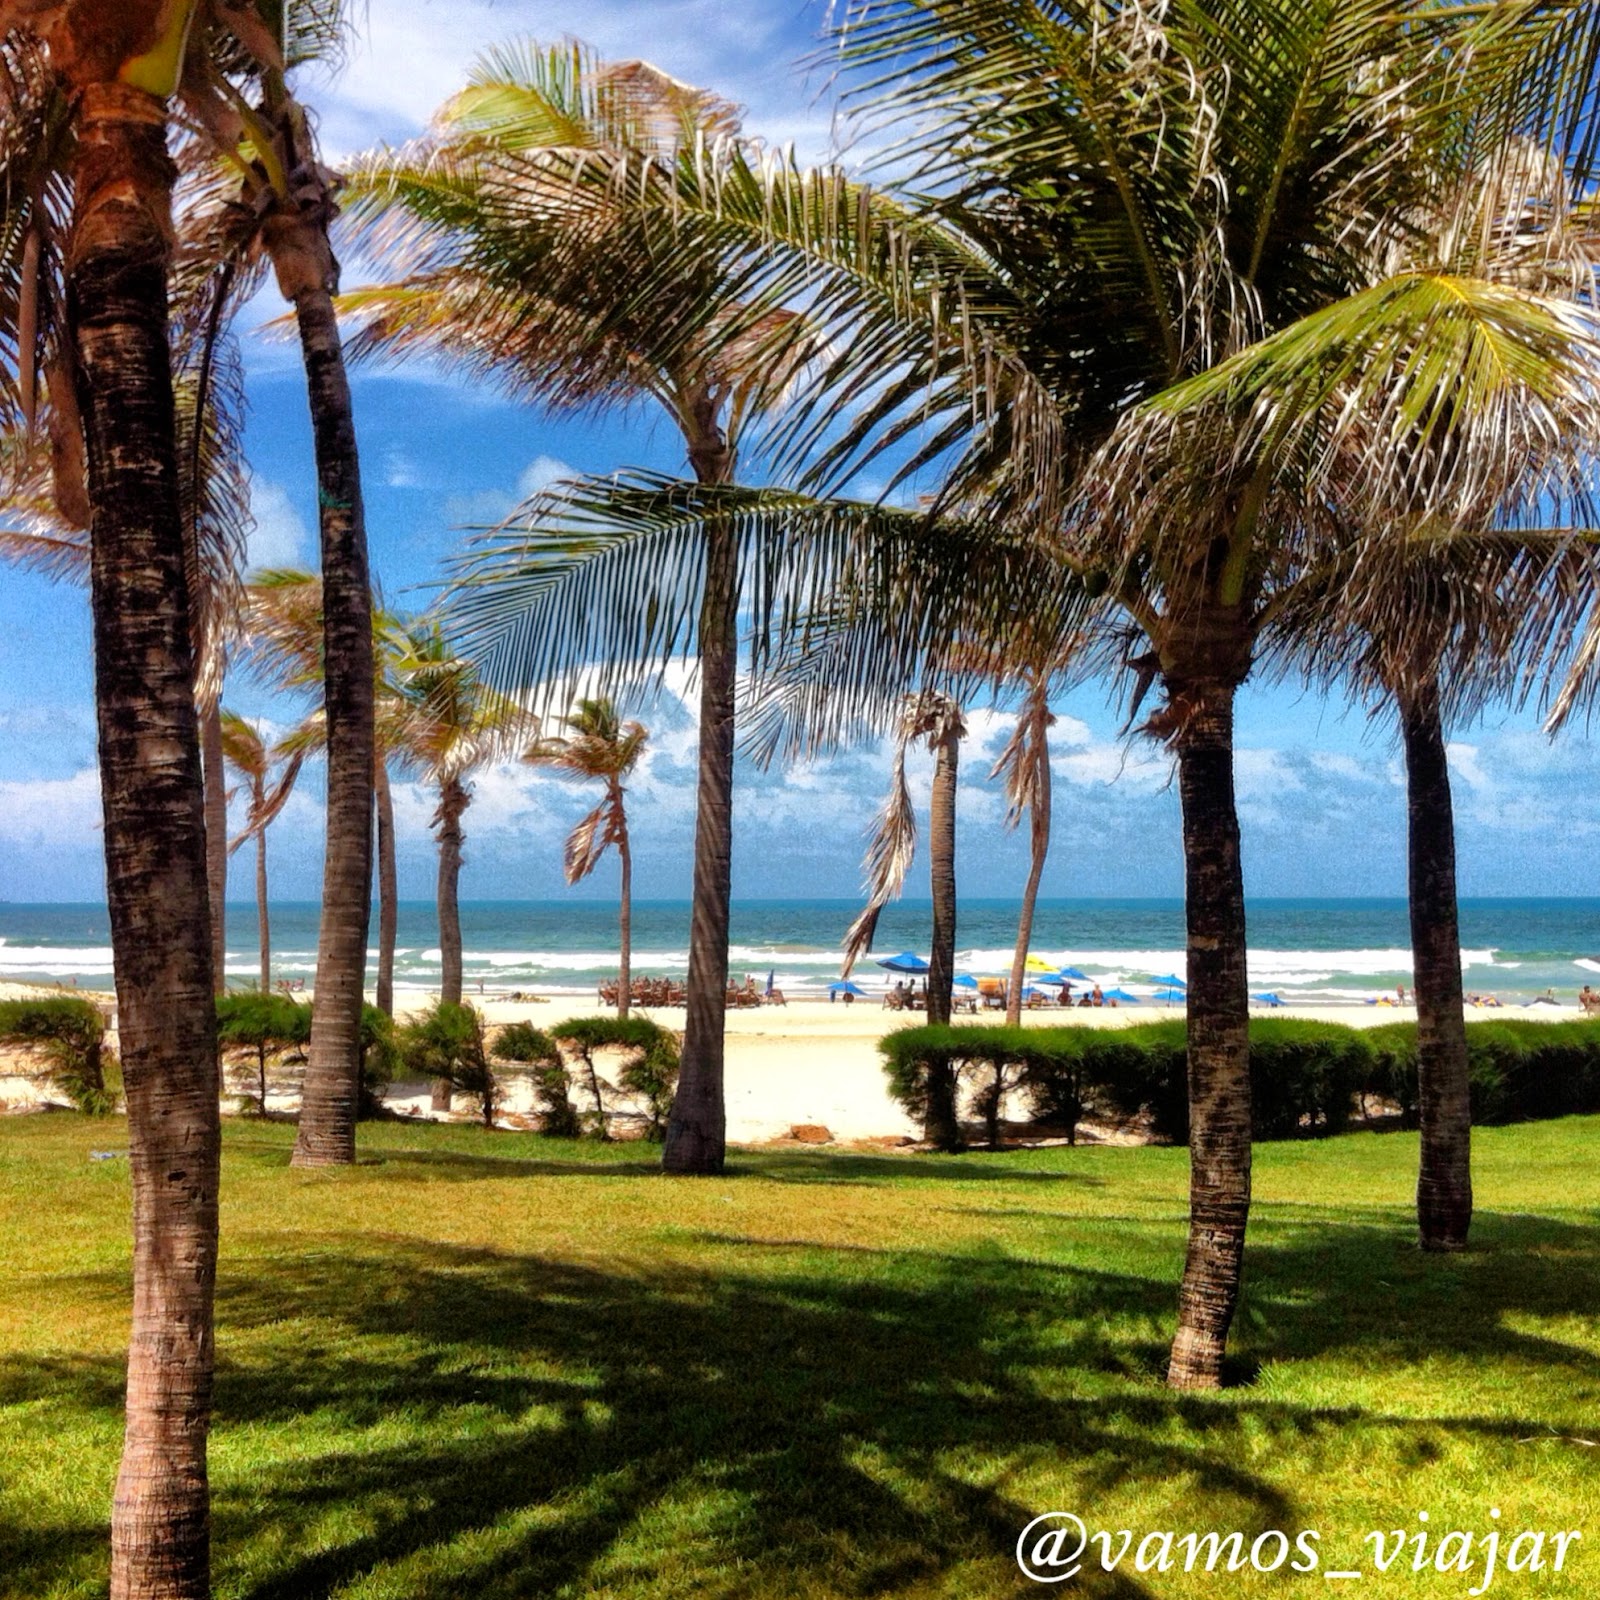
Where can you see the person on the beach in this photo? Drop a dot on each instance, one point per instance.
(1400, 993)
(1098, 998)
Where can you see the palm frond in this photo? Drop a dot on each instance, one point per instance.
(891, 848)
(595, 585)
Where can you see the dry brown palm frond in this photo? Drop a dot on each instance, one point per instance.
(891, 848)
(1024, 764)
(932, 716)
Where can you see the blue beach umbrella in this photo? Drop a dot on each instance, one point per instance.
(1170, 980)
(1122, 997)
(1074, 974)
(906, 961)
(1268, 999)
(845, 987)
(964, 982)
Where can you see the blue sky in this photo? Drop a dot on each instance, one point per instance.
(1321, 797)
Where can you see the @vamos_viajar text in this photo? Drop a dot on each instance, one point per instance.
(1058, 1545)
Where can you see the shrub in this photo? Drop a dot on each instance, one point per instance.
(380, 1059)
(1304, 1075)
(446, 1041)
(985, 1063)
(533, 1049)
(649, 1070)
(268, 1024)
(1518, 1070)
(69, 1034)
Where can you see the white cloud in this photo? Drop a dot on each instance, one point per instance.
(279, 538)
(540, 473)
(60, 812)
(400, 471)
(1466, 765)
(411, 55)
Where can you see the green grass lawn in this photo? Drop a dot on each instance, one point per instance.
(485, 1365)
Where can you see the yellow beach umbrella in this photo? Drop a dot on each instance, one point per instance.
(1038, 964)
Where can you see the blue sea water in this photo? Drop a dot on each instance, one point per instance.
(1313, 951)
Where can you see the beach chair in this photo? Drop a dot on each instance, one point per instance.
(774, 997)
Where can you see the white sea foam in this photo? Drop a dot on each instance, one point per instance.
(55, 959)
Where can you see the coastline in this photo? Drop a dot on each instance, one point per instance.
(809, 1063)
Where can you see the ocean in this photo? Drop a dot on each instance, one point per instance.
(1316, 952)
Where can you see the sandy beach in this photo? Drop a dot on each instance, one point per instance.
(810, 1063)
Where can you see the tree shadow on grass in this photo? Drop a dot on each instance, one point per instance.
(1365, 1286)
(418, 1419)
(735, 1433)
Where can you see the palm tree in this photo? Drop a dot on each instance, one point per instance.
(283, 644)
(254, 760)
(598, 746)
(450, 723)
(275, 203)
(116, 329)
(937, 719)
(524, 276)
(44, 451)
(266, 197)
(1025, 766)
(1434, 630)
(1089, 328)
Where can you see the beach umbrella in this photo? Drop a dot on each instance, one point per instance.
(1124, 998)
(1074, 974)
(1049, 977)
(845, 987)
(772, 972)
(1268, 999)
(904, 962)
(1171, 996)
(964, 982)
(1170, 980)
(1038, 964)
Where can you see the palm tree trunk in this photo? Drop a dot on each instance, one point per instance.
(1444, 1179)
(941, 1126)
(388, 889)
(155, 836)
(453, 800)
(624, 916)
(330, 1100)
(696, 1140)
(1039, 842)
(263, 923)
(216, 802)
(1219, 1036)
(942, 876)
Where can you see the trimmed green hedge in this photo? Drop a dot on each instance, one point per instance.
(1521, 1071)
(1304, 1075)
